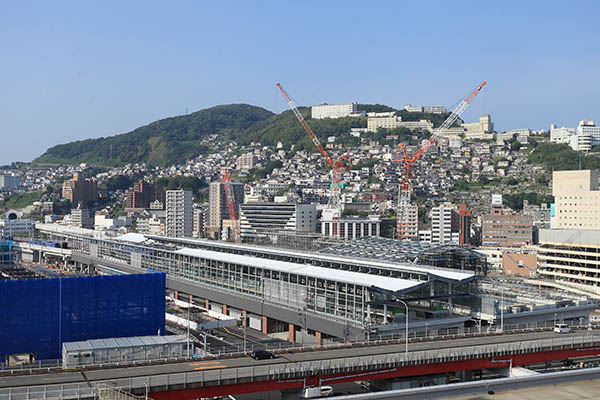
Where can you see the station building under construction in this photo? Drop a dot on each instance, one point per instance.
(323, 295)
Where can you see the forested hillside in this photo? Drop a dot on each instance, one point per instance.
(174, 140)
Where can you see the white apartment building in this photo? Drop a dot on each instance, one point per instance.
(261, 218)
(425, 109)
(577, 200)
(179, 211)
(351, 227)
(81, 218)
(411, 226)
(246, 161)
(153, 225)
(334, 110)
(444, 224)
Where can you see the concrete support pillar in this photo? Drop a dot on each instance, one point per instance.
(265, 324)
(206, 304)
(244, 315)
(292, 333)
(318, 338)
(385, 314)
(176, 295)
(190, 300)
(225, 309)
(466, 376)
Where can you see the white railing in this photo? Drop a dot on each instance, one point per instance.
(297, 370)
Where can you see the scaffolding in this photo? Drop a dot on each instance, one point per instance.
(421, 253)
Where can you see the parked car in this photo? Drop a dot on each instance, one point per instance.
(262, 355)
(562, 328)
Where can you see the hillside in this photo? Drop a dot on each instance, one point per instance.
(163, 142)
(173, 140)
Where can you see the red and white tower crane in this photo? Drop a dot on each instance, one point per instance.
(334, 207)
(408, 161)
(230, 197)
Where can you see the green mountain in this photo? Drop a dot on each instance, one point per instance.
(164, 142)
(173, 140)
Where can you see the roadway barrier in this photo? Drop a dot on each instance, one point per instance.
(390, 363)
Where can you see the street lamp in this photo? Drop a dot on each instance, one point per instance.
(406, 328)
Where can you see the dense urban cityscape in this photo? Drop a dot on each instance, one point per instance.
(344, 249)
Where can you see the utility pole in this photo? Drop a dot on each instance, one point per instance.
(188, 328)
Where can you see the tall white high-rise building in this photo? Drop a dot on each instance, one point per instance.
(444, 224)
(179, 213)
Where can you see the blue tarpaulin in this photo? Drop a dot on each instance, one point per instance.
(38, 315)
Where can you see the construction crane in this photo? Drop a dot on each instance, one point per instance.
(230, 197)
(408, 161)
(334, 207)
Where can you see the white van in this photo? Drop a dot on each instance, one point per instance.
(562, 328)
(315, 392)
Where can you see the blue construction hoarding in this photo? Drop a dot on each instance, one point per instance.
(38, 315)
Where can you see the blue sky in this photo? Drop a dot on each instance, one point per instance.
(76, 70)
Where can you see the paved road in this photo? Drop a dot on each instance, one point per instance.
(284, 361)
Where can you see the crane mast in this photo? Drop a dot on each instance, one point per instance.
(405, 208)
(230, 197)
(334, 207)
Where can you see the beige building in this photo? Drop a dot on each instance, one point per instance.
(484, 125)
(577, 199)
(385, 121)
(423, 124)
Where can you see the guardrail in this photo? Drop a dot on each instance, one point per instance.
(227, 352)
(356, 365)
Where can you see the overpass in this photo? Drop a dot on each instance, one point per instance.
(327, 365)
(31, 252)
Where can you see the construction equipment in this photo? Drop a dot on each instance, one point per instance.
(334, 207)
(408, 161)
(229, 195)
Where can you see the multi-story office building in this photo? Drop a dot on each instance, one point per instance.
(246, 161)
(334, 110)
(503, 228)
(179, 213)
(577, 199)
(9, 182)
(78, 190)
(218, 209)
(570, 257)
(144, 194)
(262, 218)
(351, 226)
(445, 224)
